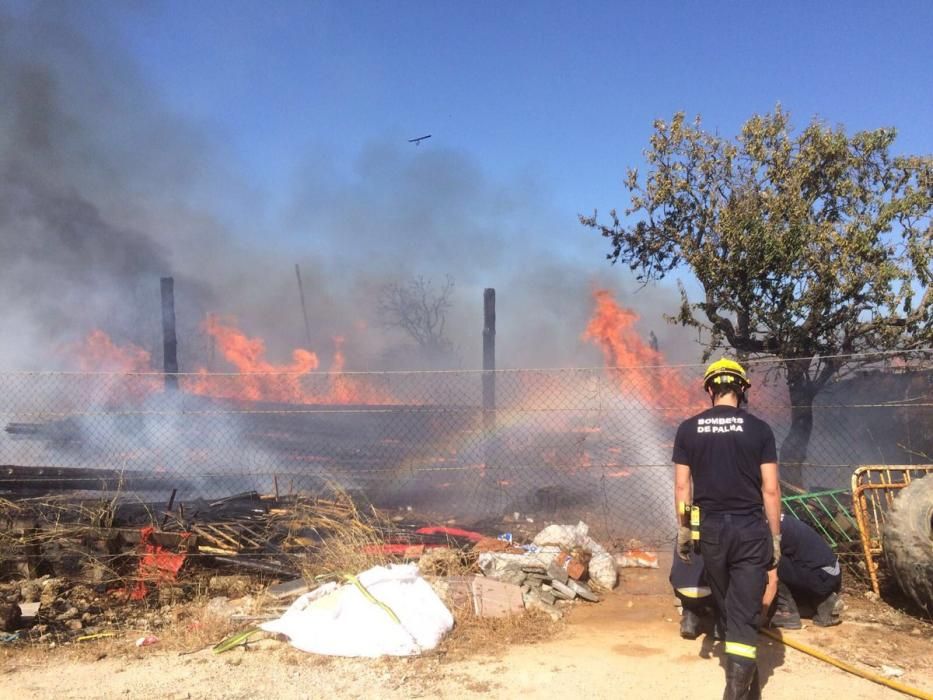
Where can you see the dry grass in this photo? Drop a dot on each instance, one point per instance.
(473, 635)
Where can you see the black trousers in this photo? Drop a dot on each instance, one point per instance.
(808, 584)
(737, 551)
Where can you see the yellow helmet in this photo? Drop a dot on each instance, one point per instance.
(726, 372)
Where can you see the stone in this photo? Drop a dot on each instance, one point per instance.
(74, 625)
(532, 602)
(535, 570)
(29, 591)
(558, 573)
(563, 590)
(69, 614)
(516, 578)
(288, 589)
(51, 588)
(583, 591)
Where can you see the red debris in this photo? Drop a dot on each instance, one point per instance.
(451, 532)
(156, 564)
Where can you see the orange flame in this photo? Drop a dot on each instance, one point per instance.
(640, 369)
(264, 381)
(259, 379)
(98, 353)
(345, 389)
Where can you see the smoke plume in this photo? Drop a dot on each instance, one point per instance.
(103, 190)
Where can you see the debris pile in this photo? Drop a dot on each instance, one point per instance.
(556, 567)
(74, 569)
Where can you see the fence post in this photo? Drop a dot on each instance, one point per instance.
(169, 342)
(304, 308)
(489, 358)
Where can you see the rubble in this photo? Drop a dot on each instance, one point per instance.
(94, 568)
(601, 567)
(554, 568)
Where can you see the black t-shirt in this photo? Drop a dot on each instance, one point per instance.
(725, 448)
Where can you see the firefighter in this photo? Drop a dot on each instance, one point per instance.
(728, 499)
(809, 578)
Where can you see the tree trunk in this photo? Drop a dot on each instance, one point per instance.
(794, 448)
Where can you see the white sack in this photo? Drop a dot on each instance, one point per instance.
(602, 568)
(340, 621)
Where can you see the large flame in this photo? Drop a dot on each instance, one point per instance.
(637, 368)
(261, 380)
(257, 379)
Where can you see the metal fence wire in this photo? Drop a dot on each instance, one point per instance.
(592, 444)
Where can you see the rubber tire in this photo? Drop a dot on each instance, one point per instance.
(907, 541)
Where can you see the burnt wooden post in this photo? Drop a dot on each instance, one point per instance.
(489, 359)
(304, 308)
(169, 341)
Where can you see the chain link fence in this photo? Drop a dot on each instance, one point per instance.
(561, 444)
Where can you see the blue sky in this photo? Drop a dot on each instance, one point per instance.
(566, 91)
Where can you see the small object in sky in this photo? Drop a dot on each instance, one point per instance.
(417, 141)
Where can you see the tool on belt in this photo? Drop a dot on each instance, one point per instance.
(695, 527)
(690, 518)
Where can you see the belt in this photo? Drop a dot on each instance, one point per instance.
(733, 513)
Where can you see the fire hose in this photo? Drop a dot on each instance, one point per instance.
(868, 675)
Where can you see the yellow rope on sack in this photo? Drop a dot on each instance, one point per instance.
(371, 598)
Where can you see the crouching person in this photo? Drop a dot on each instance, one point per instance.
(696, 598)
(809, 578)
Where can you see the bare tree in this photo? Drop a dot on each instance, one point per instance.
(419, 310)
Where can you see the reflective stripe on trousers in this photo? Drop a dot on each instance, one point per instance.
(739, 649)
(695, 591)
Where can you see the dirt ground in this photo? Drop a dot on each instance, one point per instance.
(625, 646)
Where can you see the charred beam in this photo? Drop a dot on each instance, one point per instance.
(169, 340)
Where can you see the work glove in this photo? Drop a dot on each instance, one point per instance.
(684, 543)
(776, 556)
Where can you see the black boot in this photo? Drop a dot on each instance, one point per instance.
(828, 611)
(754, 690)
(689, 624)
(741, 681)
(786, 614)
